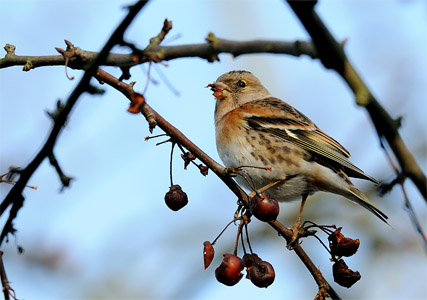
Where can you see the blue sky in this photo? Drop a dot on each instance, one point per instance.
(111, 236)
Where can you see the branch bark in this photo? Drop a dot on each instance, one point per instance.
(209, 51)
(15, 197)
(332, 55)
(152, 116)
(324, 47)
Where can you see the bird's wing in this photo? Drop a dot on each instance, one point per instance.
(282, 120)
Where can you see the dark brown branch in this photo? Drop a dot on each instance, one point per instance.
(332, 55)
(65, 180)
(208, 50)
(15, 197)
(219, 170)
(4, 281)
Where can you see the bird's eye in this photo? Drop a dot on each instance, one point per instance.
(241, 83)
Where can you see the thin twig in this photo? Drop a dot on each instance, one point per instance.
(408, 205)
(332, 55)
(14, 197)
(170, 163)
(220, 171)
(4, 280)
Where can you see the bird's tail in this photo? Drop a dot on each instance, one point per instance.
(361, 199)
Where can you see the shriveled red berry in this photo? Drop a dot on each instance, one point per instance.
(176, 198)
(229, 271)
(262, 274)
(208, 253)
(343, 275)
(187, 157)
(264, 207)
(250, 260)
(341, 245)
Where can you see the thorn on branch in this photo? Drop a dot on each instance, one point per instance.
(154, 136)
(65, 180)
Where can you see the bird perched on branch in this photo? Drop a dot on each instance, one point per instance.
(259, 131)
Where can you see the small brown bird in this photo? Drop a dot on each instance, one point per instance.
(255, 129)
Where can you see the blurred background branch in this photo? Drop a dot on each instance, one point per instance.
(332, 55)
(15, 197)
(208, 51)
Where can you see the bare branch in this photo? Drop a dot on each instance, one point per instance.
(332, 55)
(208, 51)
(15, 197)
(219, 170)
(4, 281)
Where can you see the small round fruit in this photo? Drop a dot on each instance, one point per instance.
(176, 198)
(264, 207)
(229, 271)
(262, 274)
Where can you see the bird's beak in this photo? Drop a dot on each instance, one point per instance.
(219, 89)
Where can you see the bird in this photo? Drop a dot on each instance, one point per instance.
(279, 149)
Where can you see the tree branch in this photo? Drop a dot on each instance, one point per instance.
(4, 281)
(219, 170)
(208, 51)
(332, 55)
(15, 197)
(326, 48)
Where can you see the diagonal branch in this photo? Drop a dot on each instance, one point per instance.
(151, 115)
(332, 55)
(15, 197)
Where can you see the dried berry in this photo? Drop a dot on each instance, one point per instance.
(341, 245)
(203, 170)
(187, 157)
(249, 260)
(176, 198)
(262, 274)
(208, 253)
(264, 207)
(229, 272)
(343, 275)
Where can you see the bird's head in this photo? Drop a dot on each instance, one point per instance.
(235, 88)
